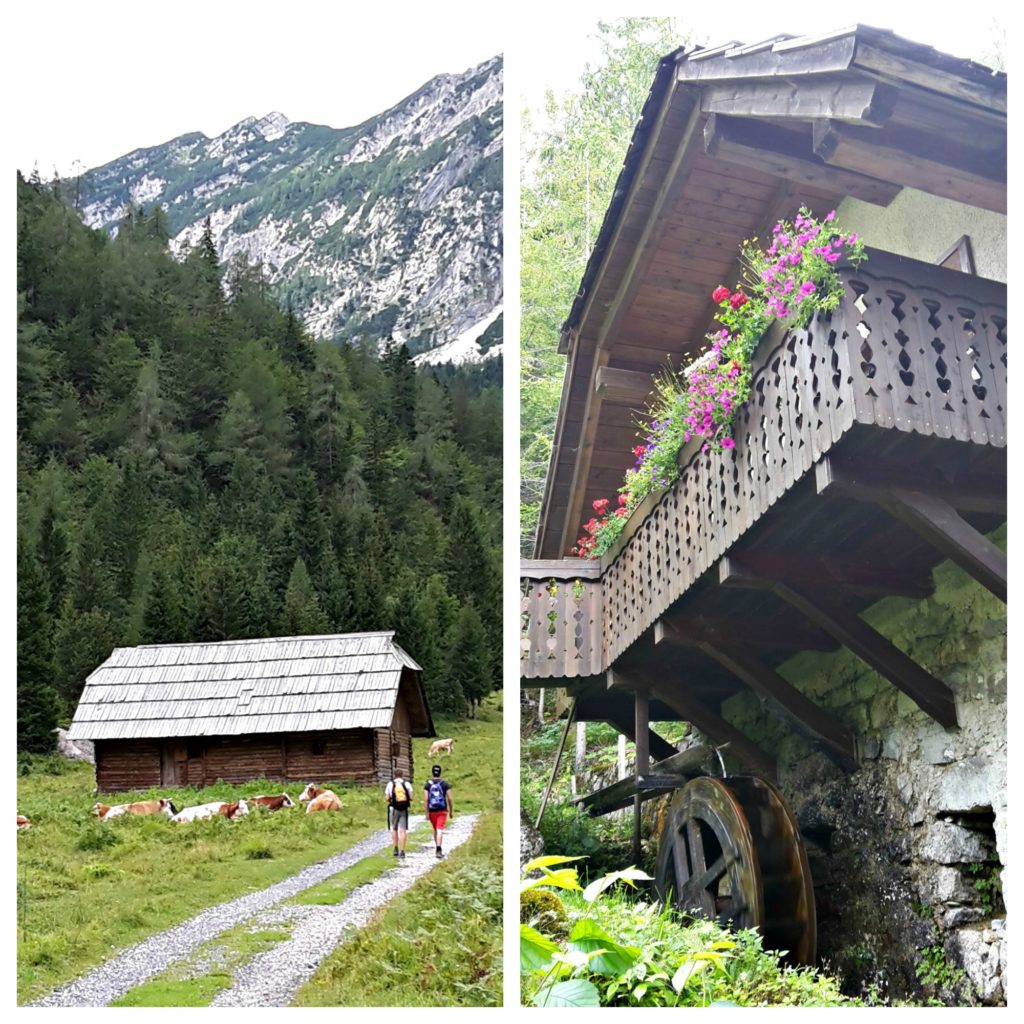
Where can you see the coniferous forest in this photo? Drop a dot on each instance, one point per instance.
(193, 467)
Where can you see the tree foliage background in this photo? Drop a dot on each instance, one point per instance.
(192, 466)
(572, 154)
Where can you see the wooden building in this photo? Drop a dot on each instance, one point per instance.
(873, 445)
(299, 709)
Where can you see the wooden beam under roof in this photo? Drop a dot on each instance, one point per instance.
(930, 694)
(712, 725)
(788, 155)
(624, 387)
(932, 518)
(795, 635)
(943, 170)
(820, 728)
(857, 99)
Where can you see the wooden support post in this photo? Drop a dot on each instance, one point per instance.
(643, 764)
(554, 769)
(930, 694)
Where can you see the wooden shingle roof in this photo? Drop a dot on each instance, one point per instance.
(243, 687)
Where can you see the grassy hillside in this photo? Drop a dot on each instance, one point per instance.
(87, 888)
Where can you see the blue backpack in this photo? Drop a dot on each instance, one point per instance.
(435, 796)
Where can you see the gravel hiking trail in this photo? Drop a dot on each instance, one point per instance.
(271, 978)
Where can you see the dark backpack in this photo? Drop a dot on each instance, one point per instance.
(435, 796)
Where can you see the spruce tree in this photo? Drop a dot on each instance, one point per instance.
(37, 701)
(302, 615)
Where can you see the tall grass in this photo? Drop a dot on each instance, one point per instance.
(437, 945)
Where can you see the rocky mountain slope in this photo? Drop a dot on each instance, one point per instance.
(389, 229)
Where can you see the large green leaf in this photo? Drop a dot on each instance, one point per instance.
(535, 950)
(612, 959)
(566, 878)
(547, 862)
(629, 876)
(576, 992)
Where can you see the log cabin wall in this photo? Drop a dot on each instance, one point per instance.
(123, 765)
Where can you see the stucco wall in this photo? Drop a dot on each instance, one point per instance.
(906, 851)
(924, 226)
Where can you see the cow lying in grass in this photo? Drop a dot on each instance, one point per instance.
(317, 799)
(272, 803)
(438, 745)
(212, 810)
(23, 822)
(104, 812)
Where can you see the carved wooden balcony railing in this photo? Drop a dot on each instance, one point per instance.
(912, 348)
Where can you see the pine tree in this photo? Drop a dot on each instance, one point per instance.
(469, 657)
(37, 701)
(301, 615)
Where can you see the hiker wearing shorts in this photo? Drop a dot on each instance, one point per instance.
(398, 794)
(437, 801)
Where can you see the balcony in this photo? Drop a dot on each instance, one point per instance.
(904, 386)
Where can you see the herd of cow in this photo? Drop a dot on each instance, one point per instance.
(316, 798)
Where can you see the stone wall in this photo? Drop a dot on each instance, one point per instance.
(907, 852)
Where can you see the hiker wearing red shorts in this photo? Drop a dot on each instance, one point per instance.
(437, 802)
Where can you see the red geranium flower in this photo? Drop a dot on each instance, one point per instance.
(738, 300)
(720, 294)
(623, 498)
(600, 505)
(639, 450)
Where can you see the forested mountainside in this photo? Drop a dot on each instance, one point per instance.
(195, 467)
(391, 228)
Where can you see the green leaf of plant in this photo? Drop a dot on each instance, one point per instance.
(689, 970)
(575, 992)
(547, 862)
(535, 950)
(629, 876)
(613, 958)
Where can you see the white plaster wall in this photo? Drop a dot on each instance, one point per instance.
(924, 226)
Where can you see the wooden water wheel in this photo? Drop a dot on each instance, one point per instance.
(731, 851)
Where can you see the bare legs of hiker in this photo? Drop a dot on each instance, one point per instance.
(399, 826)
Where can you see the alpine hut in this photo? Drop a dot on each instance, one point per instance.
(293, 708)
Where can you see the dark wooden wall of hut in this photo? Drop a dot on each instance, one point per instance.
(362, 756)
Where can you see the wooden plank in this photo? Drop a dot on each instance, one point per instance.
(991, 94)
(834, 55)
(824, 731)
(930, 694)
(789, 157)
(626, 792)
(558, 568)
(852, 98)
(941, 172)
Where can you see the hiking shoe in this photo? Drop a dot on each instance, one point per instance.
(440, 855)
(401, 856)
(396, 852)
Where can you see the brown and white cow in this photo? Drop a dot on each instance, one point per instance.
(104, 812)
(318, 799)
(272, 803)
(23, 822)
(212, 810)
(438, 745)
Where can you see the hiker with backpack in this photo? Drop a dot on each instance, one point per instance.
(398, 794)
(437, 800)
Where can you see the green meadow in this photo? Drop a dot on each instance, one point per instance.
(87, 889)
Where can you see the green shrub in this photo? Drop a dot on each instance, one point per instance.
(543, 910)
(254, 849)
(97, 837)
